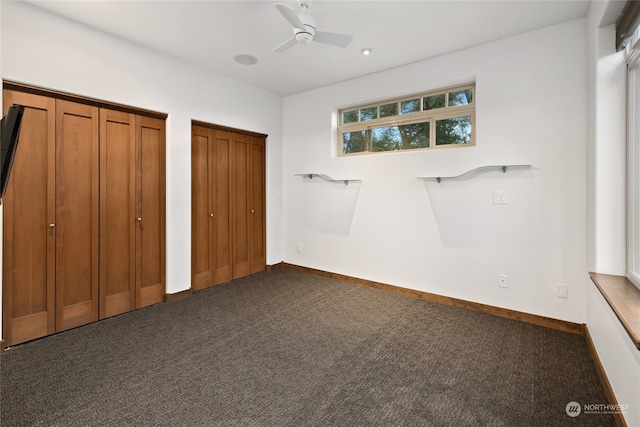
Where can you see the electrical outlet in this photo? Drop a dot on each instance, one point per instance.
(503, 280)
(563, 291)
(299, 248)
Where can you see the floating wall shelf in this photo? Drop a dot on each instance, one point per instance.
(478, 169)
(327, 178)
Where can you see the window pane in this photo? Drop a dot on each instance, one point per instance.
(350, 116)
(405, 137)
(353, 142)
(453, 131)
(412, 106)
(460, 97)
(369, 113)
(633, 178)
(435, 101)
(388, 110)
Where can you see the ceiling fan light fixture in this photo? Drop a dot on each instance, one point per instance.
(304, 37)
(304, 29)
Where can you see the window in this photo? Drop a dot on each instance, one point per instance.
(437, 119)
(633, 163)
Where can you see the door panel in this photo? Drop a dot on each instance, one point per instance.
(257, 218)
(28, 209)
(202, 262)
(117, 212)
(241, 201)
(222, 207)
(76, 214)
(151, 202)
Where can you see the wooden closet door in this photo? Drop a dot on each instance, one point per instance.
(202, 216)
(222, 196)
(249, 205)
(76, 222)
(28, 279)
(228, 186)
(211, 220)
(117, 213)
(257, 220)
(150, 176)
(241, 202)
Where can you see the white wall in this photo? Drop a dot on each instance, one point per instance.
(45, 50)
(449, 238)
(606, 203)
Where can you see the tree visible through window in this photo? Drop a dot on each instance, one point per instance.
(456, 130)
(406, 137)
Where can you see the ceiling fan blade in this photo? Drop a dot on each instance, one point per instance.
(286, 45)
(290, 15)
(333, 39)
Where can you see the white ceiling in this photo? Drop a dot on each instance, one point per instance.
(211, 33)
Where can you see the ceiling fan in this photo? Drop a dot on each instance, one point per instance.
(304, 29)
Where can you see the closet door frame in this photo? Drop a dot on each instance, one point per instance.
(243, 207)
(55, 317)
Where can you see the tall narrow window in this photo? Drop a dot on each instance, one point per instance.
(633, 162)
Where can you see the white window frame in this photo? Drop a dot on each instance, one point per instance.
(430, 116)
(633, 161)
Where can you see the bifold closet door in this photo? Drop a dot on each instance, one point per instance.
(131, 212)
(84, 216)
(248, 205)
(28, 276)
(241, 206)
(211, 242)
(118, 219)
(228, 206)
(76, 225)
(150, 231)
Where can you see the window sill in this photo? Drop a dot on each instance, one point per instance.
(624, 299)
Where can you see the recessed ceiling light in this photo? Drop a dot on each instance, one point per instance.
(366, 50)
(245, 59)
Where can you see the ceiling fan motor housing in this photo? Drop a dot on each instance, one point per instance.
(305, 35)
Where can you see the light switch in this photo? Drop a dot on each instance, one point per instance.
(500, 198)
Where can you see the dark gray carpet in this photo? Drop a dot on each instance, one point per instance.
(289, 349)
